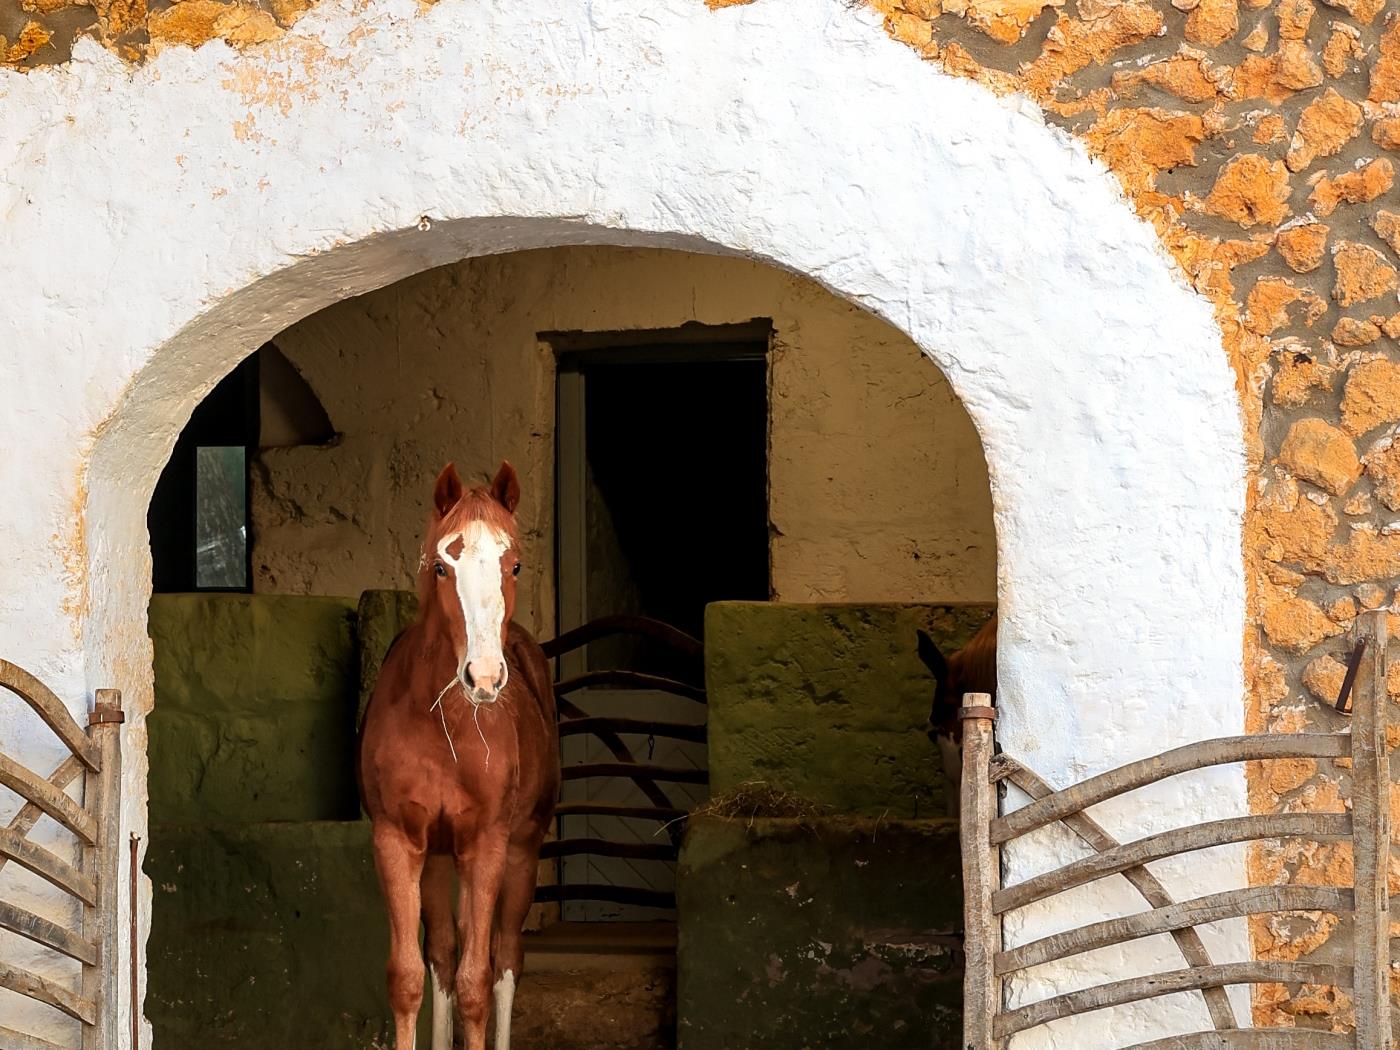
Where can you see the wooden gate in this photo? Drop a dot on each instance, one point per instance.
(988, 1023)
(94, 755)
(628, 830)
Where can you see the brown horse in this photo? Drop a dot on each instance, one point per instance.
(972, 669)
(459, 768)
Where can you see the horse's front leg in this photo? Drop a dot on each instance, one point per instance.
(399, 862)
(481, 870)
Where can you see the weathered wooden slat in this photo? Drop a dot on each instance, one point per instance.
(607, 626)
(52, 802)
(1254, 900)
(554, 894)
(42, 990)
(1134, 775)
(610, 809)
(102, 863)
(1318, 826)
(51, 710)
(672, 774)
(639, 726)
(607, 848)
(1253, 1039)
(1370, 804)
(1188, 941)
(27, 817)
(981, 864)
(629, 680)
(1138, 988)
(12, 1040)
(44, 864)
(49, 934)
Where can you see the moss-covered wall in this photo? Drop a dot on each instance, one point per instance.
(819, 936)
(829, 702)
(255, 708)
(267, 935)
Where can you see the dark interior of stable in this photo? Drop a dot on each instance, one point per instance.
(804, 885)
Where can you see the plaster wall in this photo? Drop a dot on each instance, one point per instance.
(372, 143)
(877, 486)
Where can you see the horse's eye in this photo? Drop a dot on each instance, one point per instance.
(439, 568)
(515, 571)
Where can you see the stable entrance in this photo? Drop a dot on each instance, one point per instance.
(662, 508)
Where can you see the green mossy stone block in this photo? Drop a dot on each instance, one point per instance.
(255, 707)
(382, 615)
(829, 702)
(836, 933)
(267, 935)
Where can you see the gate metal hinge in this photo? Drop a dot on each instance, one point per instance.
(104, 714)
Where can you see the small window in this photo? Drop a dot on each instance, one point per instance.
(198, 519)
(221, 517)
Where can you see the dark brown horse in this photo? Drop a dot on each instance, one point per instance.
(459, 770)
(972, 669)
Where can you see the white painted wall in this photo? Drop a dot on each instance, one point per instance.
(161, 223)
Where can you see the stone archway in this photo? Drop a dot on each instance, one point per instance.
(373, 143)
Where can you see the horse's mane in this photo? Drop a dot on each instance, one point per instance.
(976, 661)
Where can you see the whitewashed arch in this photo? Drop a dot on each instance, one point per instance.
(160, 223)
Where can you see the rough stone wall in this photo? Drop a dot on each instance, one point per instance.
(449, 365)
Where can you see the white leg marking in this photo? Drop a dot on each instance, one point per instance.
(442, 1016)
(504, 994)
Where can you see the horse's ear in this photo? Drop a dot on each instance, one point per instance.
(505, 486)
(932, 658)
(448, 490)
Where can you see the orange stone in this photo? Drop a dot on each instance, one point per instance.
(1324, 127)
(1299, 378)
(1187, 75)
(1303, 247)
(1352, 331)
(1005, 21)
(1213, 22)
(1354, 187)
(1297, 625)
(1298, 535)
(1385, 70)
(1361, 10)
(1342, 48)
(1386, 133)
(1363, 273)
(1316, 451)
(1270, 130)
(1257, 39)
(1293, 18)
(190, 23)
(1268, 303)
(1323, 678)
(1371, 396)
(1138, 143)
(1383, 468)
(1387, 227)
(1250, 190)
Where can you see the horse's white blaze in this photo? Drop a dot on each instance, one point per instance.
(504, 993)
(442, 1014)
(477, 571)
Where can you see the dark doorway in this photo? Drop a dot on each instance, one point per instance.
(662, 509)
